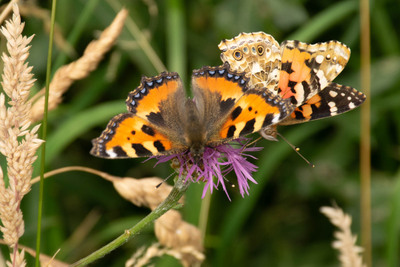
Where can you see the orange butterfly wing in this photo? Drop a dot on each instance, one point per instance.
(147, 129)
(306, 69)
(232, 108)
(129, 136)
(335, 99)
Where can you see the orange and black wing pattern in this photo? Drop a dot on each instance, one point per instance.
(335, 99)
(146, 130)
(306, 69)
(233, 108)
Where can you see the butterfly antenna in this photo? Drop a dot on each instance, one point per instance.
(296, 149)
(163, 181)
(253, 142)
(169, 176)
(229, 182)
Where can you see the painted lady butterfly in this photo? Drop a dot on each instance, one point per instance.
(163, 121)
(294, 70)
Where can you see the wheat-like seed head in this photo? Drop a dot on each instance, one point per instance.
(176, 235)
(143, 255)
(79, 69)
(18, 143)
(350, 253)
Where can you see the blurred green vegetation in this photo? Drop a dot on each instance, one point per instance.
(279, 224)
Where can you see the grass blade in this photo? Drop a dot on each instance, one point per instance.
(365, 149)
(324, 20)
(44, 133)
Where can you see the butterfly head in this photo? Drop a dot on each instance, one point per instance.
(197, 151)
(196, 141)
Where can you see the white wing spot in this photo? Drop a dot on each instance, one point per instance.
(275, 119)
(111, 153)
(339, 68)
(333, 108)
(333, 93)
(351, 105)
(319, 59)
(322, 80)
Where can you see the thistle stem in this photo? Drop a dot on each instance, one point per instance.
(170, 202)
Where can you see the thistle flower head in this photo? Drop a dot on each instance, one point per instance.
(215, 163)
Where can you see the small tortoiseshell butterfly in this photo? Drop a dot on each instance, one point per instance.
(300, 72)
(162, 120)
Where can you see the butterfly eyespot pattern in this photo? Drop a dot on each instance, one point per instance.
(328, 57)
(262, 71)
(300, 72)
(238, 55)
(162, 120)
(260, 50)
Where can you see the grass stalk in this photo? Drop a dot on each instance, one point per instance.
(44, 134)
(141, 39)
(204, 213)
(365, 148)
(77, 30)
(176, 38)
(392, 230)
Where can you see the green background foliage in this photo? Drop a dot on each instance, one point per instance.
(279, 224)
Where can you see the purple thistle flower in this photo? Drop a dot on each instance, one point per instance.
(217, 162)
